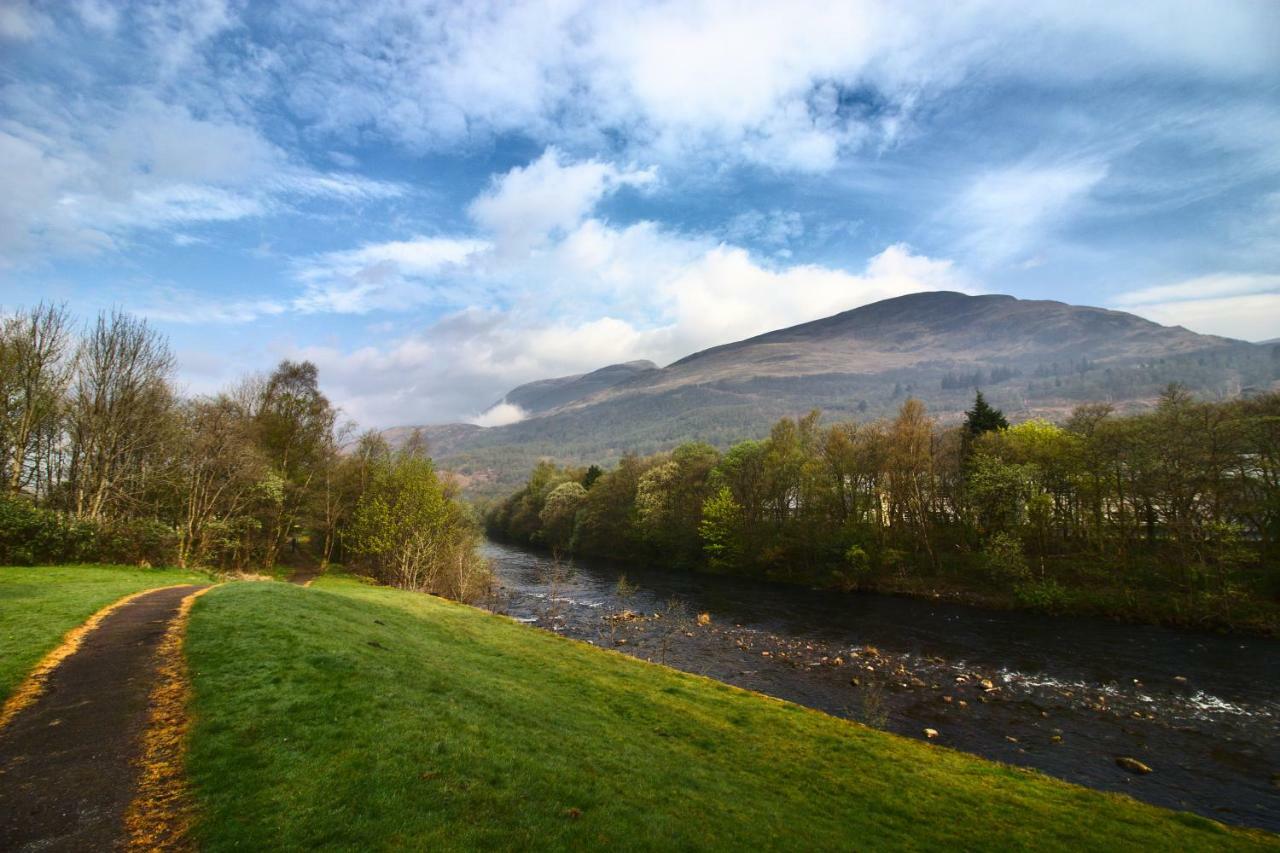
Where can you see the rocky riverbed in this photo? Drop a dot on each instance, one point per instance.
(1184, 721)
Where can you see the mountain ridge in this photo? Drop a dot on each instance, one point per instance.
(1034, 358)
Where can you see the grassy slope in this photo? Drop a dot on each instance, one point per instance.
(39, 604)
(346, 716)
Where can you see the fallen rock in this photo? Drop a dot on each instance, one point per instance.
(930, 733)
(986, 685)
(855, 681)
(1132, 765)
(704, 618)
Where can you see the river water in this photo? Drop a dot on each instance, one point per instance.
(1066, 696)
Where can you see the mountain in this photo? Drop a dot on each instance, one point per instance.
(1033, 358)
(547, 394)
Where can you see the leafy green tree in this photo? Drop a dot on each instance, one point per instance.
(721, 530)
(295, 431)
(412, 535)
(559, 512)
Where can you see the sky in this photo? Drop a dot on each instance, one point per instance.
(437, 202)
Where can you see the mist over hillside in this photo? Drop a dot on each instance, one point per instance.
(1030, 357)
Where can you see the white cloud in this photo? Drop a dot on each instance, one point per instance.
(549, 196)
(177, 305)
(500, 415)
(772, 228)
(392, 275)
(1202, 287)
(81, 176)
(791, 86)
(1006, 214)
(698, 295)
(1233, 305)
(18, 21)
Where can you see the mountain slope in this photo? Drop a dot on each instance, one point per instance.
(922, 330)
(547, 394)
(1031, 358)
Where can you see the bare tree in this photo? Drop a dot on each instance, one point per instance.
(34, 373)
(217, 468)
(120, 402)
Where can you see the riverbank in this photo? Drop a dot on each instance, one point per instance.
(1068, 695)
(1069, 589)
(347, 715)
(1136, 606)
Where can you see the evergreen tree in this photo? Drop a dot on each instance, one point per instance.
(983, 417)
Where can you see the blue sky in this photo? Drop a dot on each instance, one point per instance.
(436, 202)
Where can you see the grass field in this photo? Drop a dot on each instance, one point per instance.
(352, 717)
(39, 604)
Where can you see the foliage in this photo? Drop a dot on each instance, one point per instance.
(412, 535)
(100, 459)
(30, 534)
(1176, 507)
(1005, 559)
(983, 417)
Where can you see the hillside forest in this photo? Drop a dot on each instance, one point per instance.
(1172, 515)
(104, 460)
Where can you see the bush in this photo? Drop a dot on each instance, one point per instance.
(31, 535)
(1047, 595)
(855, 570)
(1004, 558)
(138, 541)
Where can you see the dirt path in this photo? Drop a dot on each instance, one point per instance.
(69, 761)
(305, 575)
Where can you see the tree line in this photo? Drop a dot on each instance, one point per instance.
(1174, 511)
(104, 460)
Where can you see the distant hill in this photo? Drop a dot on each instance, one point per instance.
(547, 394)
(1030, 357)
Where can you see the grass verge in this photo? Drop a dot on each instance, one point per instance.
(353, 717)
(40, 604)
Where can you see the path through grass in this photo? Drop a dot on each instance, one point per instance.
(39, 604)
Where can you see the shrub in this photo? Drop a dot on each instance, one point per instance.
(138, 541)
(1004, 558)
(1047, 595)
(30, 535)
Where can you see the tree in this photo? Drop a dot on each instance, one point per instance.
(412, 535)
(34, 374)
(721, 530)
(559, 512)
(983, 418)
(119, 416)
(217, 468)
(295, 431)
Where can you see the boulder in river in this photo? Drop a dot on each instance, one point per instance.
(1133, 765)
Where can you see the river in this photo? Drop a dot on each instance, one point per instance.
(1066, 696)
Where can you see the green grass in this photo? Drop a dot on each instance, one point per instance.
(39, 604)
(346, 716)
